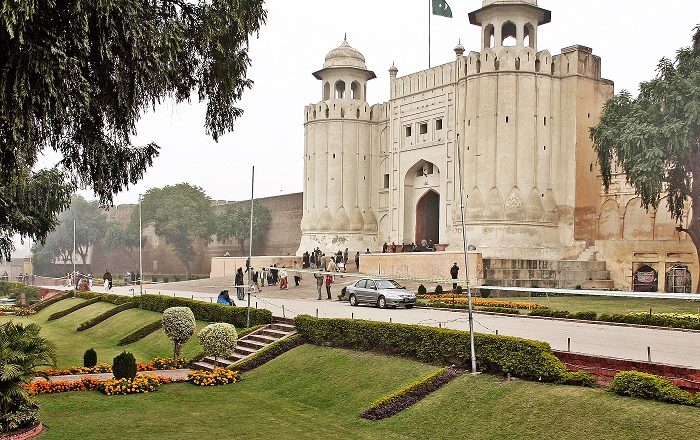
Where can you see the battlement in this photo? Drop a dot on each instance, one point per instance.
(424, 80)
(349, 109)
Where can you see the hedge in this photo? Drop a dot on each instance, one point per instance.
(13, 290)
(423, 382)
(141, 333)
(583, 316)
(650, 387)
(653, 320)
(204, 311)
(53, 300)
(106, 297)
(499, 354)
(70, 310)
(106, 315)
(267, 353)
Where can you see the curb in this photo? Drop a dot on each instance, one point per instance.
(580, 321)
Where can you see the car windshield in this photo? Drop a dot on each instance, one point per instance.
(387, 284)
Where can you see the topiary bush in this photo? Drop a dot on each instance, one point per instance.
(179, 325)
(90, 358)
(578, 378)
(422, 290)
(218, 340)
(439, 290)
(124, 366)
(204, 311)
(648, 386)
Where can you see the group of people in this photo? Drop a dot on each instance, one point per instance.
(425, 246)
(317, 259)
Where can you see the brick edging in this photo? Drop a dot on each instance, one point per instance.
(580, 321)
(29, 433)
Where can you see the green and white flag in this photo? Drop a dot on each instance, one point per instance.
(441, 8)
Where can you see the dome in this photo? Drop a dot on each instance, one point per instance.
(345, 56)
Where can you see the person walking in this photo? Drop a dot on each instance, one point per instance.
(256, 281)
(263, 276)
(275, 274)
(107, 277)
(346, 256)
(357, 261)
(283, 278)
(238, 281)
(297, 278)
(329, 281)
(454, 272)
(319, 282)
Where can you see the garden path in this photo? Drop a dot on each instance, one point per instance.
(172, 374)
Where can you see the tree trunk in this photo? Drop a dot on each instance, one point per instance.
(177, 349)
(694, 233)
(188, 270)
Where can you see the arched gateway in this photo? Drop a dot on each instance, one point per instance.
(428, 217)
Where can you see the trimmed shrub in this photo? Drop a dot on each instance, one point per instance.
(179, 325)
(650, 387)
(584, 316)
(124, 366)
(459, 290)
(14, 290)
(422, 290)
(485, 293)
(106, 315)
(166, 279)
(499, 354)
(550, 313)
(53, 300)
(218, 340)
(416, 385)
(70, 310)
(141, 333)
(439, 290)
(268, 353)
(90, 358)
(654, 320)
(208, 312)
(106, 297)
(578, 378)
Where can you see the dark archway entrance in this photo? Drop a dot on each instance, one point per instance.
(645, 279)
(428, 218)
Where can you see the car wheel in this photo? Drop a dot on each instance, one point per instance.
(381, 302)
(353, 300)
(409, 306)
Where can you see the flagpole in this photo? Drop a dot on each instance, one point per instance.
(429, 13)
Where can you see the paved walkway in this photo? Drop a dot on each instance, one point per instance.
(172, 374)
(667, 346)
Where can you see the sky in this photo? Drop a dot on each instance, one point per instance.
(630, 37)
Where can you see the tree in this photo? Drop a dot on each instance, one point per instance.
(655, 138)
(181, 214)
(234, 222)
(22, 350)
(179, 325)
(122, 238)
(77, 76)
(218, 340)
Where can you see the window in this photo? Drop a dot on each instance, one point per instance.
(423, 128)
(327, 91)
(361, 284)
(408, 131)
(339, 89)
(355, 90)
(386, 181)
(488, 36)
(438, 124)
(529, 36)
(371, 285)
(508, 34)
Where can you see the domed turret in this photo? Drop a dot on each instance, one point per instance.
(345, 56)
(509, 23)
(344, 74)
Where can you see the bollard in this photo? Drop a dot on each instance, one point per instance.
(256, 304)
(568, 345)
(211, 300)
(283, 311)
(439, 324)
(649, 354)
(317, 313)
(650, 311)
(496, 332)
(192, 296)
(352, 315)
(173, 295)
(389, 320)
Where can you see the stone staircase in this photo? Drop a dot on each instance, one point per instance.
(249, 345)
(590, 253)
(562, 274)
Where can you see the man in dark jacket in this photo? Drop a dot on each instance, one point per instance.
(108, 279)
(454, 272)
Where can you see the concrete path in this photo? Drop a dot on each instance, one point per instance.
(667, 346)
(172, 374)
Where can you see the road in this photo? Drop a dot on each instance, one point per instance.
(667, 346)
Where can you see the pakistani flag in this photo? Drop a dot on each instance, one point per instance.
(441, 8)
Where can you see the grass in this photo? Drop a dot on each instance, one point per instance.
(103, 337)
(318, 393)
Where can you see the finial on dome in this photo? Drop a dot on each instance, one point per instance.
(459, 49)
(393, 70)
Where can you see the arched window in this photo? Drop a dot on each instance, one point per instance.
(489, 36)
(355, 90)
(529, 36)
(339, 89)
(508, 34)
(326, 91)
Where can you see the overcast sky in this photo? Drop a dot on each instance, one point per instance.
(630, 36)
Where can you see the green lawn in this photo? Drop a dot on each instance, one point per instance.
(611, 305)
(104, 336)
(318, 393)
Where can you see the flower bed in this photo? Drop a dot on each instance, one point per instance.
(48, 387)
(220, 376)
(692, 317)
(155, 364)
(145, 383)
(480, 302)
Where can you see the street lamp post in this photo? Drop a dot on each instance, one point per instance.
(140, 248)
(466, 261)
(250, 245)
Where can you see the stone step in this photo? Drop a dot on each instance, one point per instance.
(261, 338)
(249, 343)
(244, 350)
(274, 333)
(289, 328)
